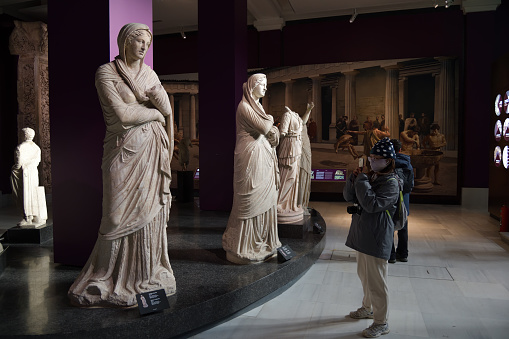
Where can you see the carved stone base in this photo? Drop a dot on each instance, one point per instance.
(24, 235)
(296, 230)
(240, 261)
(290, 217)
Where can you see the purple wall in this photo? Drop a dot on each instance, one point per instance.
(76, 49)
(223, 70)
(406, 34)
(126, 11)
(174, 55)
(8, 104)
(478, 104)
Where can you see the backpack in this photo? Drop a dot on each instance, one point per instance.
(407, 175)
(400, 216)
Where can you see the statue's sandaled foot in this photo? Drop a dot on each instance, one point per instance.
(24, 222)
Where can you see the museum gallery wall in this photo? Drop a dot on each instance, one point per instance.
(423, 91)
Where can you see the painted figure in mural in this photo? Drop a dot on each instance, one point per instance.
(409, 139)
(312, 130)
(371, 137)
(346, 142)
(25, 181)
(289, 155)
(376, 123)
(354, 126)
(305, 164)
(434, 141)
(401, 123)
(183, 152)
(341, 126)
(131, 252)
(251, 234)
(410, 122)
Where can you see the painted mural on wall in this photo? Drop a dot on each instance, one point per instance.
(358, 103)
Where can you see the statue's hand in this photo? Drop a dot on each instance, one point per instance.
(273, 136)
(161, 118)
(152, 92)
(311, 105)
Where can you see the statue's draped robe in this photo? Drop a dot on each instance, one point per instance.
(251, 234)
(25, 178)
(131, 252)
(305, 170)
(289, 154)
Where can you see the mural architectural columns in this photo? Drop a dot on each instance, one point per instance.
(350, 94)
(392, 100)
(316, 113)
(192, 117)
(289, 93)
(403, 100)
(445, 114)
(29, 40)
(187, 116)
(333, 115)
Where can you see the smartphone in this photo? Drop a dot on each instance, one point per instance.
(361, 163)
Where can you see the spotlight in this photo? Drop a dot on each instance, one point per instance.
(354, 15)
(448, 3)
(436, 3)
(182, 33)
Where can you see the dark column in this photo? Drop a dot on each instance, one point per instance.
(222, 71)
(77, 47)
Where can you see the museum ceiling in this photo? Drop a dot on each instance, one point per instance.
(174, 16)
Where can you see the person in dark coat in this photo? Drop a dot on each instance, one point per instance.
(371, 233)
(405, 171)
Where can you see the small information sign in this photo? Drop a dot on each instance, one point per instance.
(328, 174)
(150, 302)
(285, 253)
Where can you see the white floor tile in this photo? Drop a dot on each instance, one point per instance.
(455, 284)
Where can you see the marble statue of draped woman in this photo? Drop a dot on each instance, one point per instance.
(131, 252)
(251, 234)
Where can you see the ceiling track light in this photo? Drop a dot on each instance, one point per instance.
(354, 15)
(182, 33)
(447, 3)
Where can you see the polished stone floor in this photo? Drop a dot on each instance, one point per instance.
(455, 284)
(33, 289)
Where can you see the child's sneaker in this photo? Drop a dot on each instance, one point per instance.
(375, 330)
(362, 313)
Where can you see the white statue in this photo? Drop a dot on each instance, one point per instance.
(289, 154)
(25, 182)
(305, 164)
(131, 252)
(251, 235)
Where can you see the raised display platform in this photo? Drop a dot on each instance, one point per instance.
(25, 235)
(33, 293)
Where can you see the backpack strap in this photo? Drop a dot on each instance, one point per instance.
(400, 195)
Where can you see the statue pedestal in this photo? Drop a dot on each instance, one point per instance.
(3, 260)
(295, 230)
(25, 235)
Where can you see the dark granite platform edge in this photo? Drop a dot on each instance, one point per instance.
(195, 318)
(3, 259)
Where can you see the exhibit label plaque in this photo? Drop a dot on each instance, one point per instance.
(150, 302)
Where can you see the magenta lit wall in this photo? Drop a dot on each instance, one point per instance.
(126, 11)
(77, 124)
